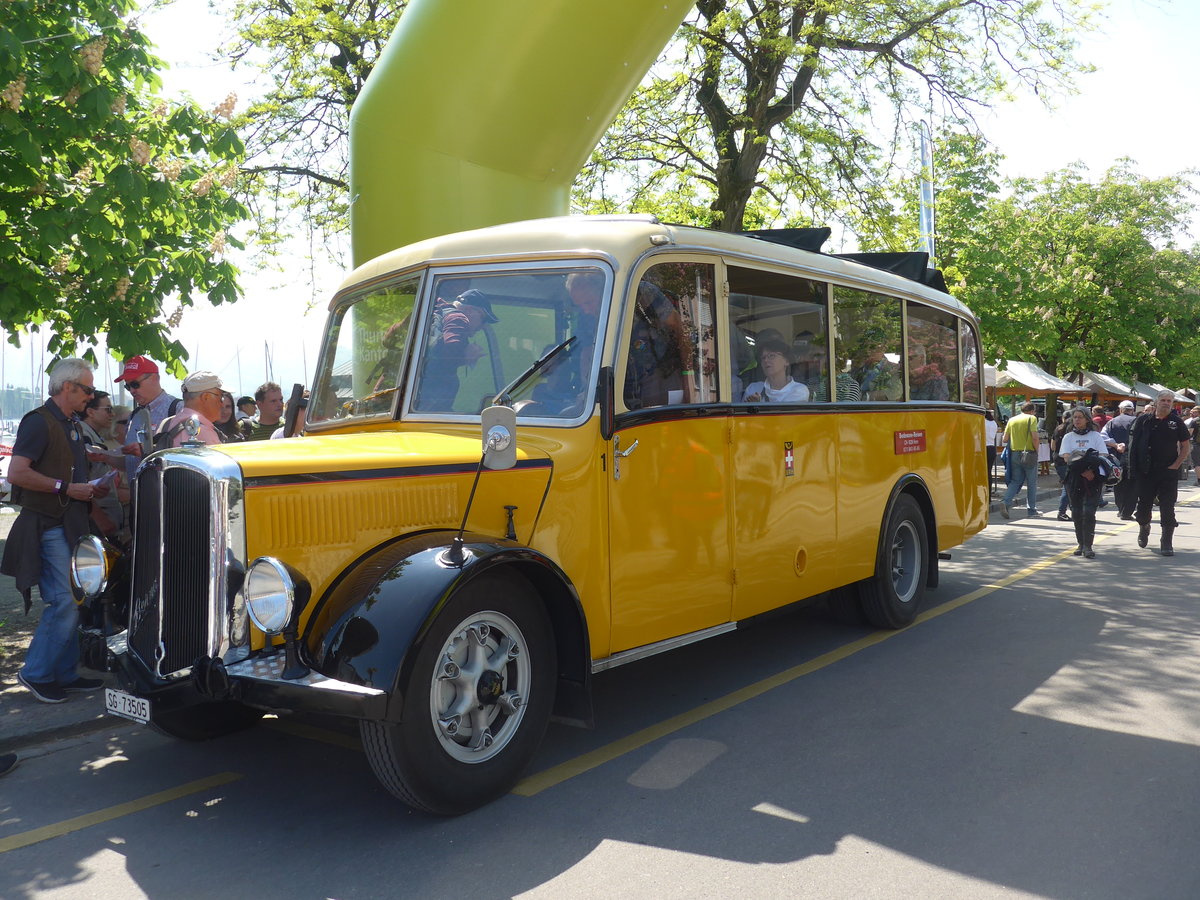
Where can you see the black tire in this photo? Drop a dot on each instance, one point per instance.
(453, 750)
(893, 597)
(844, 606)
(206, 720)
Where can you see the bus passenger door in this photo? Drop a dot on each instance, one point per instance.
(668, 467)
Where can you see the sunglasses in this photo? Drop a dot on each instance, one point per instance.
(106, 409)
(83, 387)
(133, 385)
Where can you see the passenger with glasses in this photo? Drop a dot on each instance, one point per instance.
(97, 423)
(141, 378)
(49, 474)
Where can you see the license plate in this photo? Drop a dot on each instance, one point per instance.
(127, 706)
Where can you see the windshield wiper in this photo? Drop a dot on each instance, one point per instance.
(501, 399)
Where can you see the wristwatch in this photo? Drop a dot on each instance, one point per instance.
(60, 487)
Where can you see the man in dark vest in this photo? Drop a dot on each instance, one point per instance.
(49, 475)
(1158, 446)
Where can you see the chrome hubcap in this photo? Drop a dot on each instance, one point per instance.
(477, 698)
(905, 561)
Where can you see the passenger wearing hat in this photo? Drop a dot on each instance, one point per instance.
(449, 347)
(245, 408)
(1116, 433)
(202, 394)
(152, 406)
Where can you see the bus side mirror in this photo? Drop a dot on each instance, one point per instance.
(607, 403)
(499, 426)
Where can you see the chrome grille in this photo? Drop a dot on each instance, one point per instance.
(186, 507)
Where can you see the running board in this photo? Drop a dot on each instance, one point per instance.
(628, 656)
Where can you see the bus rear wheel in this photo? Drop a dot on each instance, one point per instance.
(476, 701)
(892, 598)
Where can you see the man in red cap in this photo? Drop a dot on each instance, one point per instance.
(153, 405)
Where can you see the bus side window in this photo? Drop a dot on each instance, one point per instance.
(778, 328)
(869, 345)
(932, 354)
(672, 354)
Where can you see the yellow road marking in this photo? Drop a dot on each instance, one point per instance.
(564, 771)
(45, 833)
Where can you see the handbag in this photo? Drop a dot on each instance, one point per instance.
(1027, 458)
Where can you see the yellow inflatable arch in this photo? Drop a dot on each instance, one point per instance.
(480, 111)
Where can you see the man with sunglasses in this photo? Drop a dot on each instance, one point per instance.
(201, 398)
(141, 379)
(49, 474)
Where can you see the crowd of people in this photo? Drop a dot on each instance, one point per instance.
(1142, 455)
(73, 462)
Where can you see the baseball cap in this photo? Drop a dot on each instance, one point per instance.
(137, 366)
(478, 298)
(1125, 404)
(199, 382)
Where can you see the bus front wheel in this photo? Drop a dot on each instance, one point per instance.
(892, 598)
(476, 701)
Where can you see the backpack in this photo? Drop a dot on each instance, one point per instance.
(165, 438)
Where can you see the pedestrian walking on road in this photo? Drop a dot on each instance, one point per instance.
(1021, 436)
(1085, 453)
(1117, 433)
(1159, 445)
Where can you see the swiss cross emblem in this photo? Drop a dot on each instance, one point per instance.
(789, 459)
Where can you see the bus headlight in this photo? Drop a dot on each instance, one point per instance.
(274, 594)
(90, 566)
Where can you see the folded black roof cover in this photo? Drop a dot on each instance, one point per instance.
(800, 238)
(913, 266)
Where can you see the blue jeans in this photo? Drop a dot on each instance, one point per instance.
(54, 651)
(1027, 476)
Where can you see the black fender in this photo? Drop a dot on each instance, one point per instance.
(914, 485)
(369, 626)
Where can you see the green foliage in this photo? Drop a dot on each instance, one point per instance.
(316, 55)
(1071, 273)
(113, 203)
(793, 110)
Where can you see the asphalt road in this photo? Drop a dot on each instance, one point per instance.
(1034, 734)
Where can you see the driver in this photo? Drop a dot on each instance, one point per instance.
(449, 347)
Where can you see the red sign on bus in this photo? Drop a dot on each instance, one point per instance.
(910, 441)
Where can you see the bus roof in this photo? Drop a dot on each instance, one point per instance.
(625, 239)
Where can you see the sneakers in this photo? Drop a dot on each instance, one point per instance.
(1143, 535)
(1063, 517)
(1004, 509)
(45, 691)
(1033, 513)
(1078, 551)
(1089, 553)
(83, 684)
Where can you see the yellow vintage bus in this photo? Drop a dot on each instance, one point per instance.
(537, 451)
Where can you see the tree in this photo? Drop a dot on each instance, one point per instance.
(317, 55)
(113, 202)
(1074, 274)
(793, 109)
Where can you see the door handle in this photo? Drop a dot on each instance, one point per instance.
(619, 454)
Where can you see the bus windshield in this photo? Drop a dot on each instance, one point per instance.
(482, 331)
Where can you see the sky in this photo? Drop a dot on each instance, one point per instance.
(1138, 104)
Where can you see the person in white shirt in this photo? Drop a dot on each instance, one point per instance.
(775, 357)
(1085, 476)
